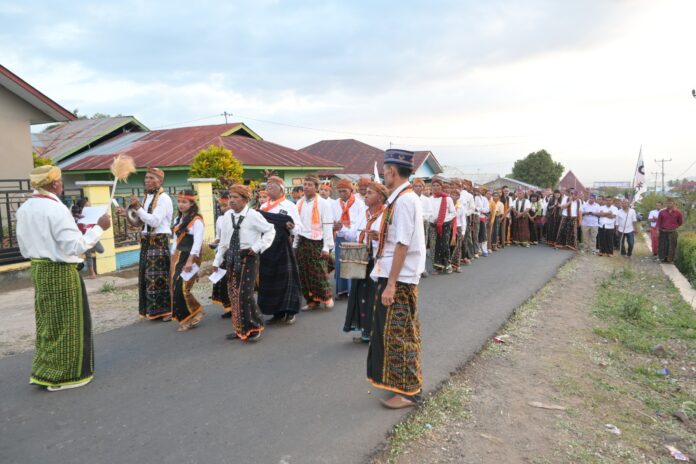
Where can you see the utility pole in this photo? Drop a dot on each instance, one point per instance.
(225, 114)
(656, 174)
(663, 161)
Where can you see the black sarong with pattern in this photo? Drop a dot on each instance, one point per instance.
(441, 255)
(154, 297)
(360, 302)
(246, 317)
(279, 277)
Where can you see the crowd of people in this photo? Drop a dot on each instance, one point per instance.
(274, 257)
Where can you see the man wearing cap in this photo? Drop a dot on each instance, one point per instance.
(279, 277)
(245, 235)
(47, 234)
(153, 275)
(347, 211)
(394, 356)
(313, 244)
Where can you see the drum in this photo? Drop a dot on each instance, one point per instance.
(353, 259)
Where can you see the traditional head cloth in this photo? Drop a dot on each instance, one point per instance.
(418, 181)
(399, 157)
(344, 184)
(379, 188)
(189, 195)
(224, 197)
(438, 181)
(241, 190)
(156, 172)
(364, 182)
(44, 175)
(276, 180)
(263, 192)
(312, 179)
(326, 185)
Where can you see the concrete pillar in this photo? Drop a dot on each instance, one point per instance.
(99, 193)
(206, 205)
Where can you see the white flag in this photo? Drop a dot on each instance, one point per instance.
(377, 174)
(639, 178)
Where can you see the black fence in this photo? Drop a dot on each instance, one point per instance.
(13, 193)
(124, 233)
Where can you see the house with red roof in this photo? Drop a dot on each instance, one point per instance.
(571, 181)
(173, 150)
(358, 159)
(21, 106)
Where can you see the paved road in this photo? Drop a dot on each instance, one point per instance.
(298, 396)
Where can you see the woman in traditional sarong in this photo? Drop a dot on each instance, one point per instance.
(220, 294)
(362, 291)
(456, 241)
(553, 217)
(443, 212)
(494, 220)
(48, 235)
(245, 235)
(536, 219)
(188, 235)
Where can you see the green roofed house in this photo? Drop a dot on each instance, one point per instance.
(62, 141)
(173, 150)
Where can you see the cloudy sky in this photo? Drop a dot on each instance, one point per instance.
(481, 84)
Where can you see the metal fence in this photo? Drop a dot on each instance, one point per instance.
(13, 193)
(124, 233)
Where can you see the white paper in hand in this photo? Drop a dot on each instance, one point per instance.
(217, 275)
(91, 214)
(187, 275)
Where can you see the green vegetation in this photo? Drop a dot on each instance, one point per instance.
(538, 169)
(108, 287)
(41, 161)
(218, 163)
(685, 258)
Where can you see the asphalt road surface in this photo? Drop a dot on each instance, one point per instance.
(297, 396)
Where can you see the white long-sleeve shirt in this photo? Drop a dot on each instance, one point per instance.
(326, 219)
(519, 205)
(353, 234)
(468, 202)
(427, 206)
(450, 212)
(461, 216)
(255, 233)
(197, 230)
(159, 221)
(288, 208)
(46, 229)
(356, 211)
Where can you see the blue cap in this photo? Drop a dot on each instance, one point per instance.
(399, 157)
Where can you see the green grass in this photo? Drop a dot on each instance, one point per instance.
(107, 287)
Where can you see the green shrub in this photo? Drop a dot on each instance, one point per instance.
(686, 255)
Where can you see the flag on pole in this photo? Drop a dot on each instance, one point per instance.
(377, 174)
(639, 177)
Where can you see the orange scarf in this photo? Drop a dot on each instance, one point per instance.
(272, 204)
(370, 220)
(316, 220)
(345, 210)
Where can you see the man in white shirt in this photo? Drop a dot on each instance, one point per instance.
(347, 211)
(590, 224)
(419, 189)
(48, 235)
(313, 244)
(571, 214)
(220, 294)
(654, 231)
(625, 225)
(607, 217)
(280, 292)
(469, 206)
(154, 298)
(245, 235)
(441, 216)
(394, 356)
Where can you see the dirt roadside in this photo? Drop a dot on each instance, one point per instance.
(574, 359)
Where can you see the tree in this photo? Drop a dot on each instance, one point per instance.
(217, 162)
(539, 169)
(41, 161)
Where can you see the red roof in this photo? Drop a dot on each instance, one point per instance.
(570, 181)
(357, 157)
(18, 86)
(177, 147)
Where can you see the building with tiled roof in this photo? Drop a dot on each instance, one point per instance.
(173, 151)
(22, 105)
(359, 158)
